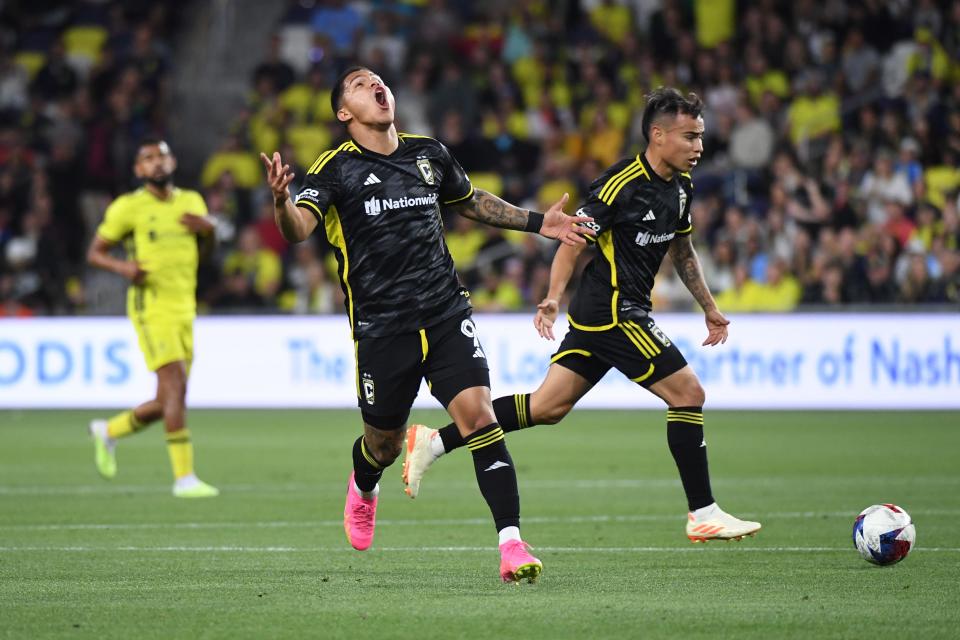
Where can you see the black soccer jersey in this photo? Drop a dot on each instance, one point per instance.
(382, 216)
(636, 214)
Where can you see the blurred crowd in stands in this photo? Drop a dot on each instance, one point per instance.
(80, 84)
(830, 174)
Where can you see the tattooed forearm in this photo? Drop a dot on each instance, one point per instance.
(687, 264)
(489, 209)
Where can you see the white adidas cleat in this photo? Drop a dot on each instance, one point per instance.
(418, 456)
(719, 525)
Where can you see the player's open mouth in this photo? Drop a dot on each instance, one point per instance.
(693, 161)
(380, 95)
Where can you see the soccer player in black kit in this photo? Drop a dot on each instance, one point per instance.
(378, 198)
(641, 212)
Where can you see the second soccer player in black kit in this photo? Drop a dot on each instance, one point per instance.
(641, 212)
(378, 198)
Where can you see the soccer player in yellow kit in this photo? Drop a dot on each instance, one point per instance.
(162, 229)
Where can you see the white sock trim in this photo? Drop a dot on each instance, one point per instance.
(509, 533)
(367, 495)
(99, 429)
(436, 446)
(187, 481)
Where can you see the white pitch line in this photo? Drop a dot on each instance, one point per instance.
(344, 549)
(584, 484)
(299, 524)
(113, 489)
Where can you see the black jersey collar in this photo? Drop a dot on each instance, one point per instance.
(642, 158)
(373, 153)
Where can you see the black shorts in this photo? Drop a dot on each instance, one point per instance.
(448, 355)
(636, 348)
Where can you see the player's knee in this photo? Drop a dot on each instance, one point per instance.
(554, 413)
(385, 447)
(388, 450)
(480, 421)
(172, 391)
(694, 395)
(384, 435)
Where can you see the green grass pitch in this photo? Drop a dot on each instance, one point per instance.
(602, 506)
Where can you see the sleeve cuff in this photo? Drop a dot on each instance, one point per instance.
(460, 199)
(314, 209)
(108, 237)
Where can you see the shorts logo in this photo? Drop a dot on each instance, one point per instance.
(426, 170)
(469, 329)
(368, 388)
(658, 334)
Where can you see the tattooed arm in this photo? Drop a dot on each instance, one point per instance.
(687, 264)
(487, 208)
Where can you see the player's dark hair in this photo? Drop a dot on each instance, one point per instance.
(151, 141)
(668, 101)
(337, 91)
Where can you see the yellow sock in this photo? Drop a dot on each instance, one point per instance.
(181, 452)
(123, 424)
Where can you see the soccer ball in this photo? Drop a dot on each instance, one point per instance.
(884, 534)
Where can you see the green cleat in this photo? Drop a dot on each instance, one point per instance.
(103, 446)
(193, 487)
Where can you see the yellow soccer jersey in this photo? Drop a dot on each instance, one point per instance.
(152, 234)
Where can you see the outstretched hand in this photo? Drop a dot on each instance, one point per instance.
(716, 328)
(277, 176)
(547, 312)
(567, 229)
(199, 225)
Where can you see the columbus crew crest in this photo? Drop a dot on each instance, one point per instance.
(369, 389)
(426, 170)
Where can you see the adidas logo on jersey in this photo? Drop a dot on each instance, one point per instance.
(649, 216)
(371, 179)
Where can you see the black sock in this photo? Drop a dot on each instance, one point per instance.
(685, 438)
(513, 413)
(495, 475)
(366, 469)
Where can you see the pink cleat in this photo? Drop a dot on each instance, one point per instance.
(359, 517)
(516, 563)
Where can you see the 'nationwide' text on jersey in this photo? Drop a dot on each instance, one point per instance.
(375, 206)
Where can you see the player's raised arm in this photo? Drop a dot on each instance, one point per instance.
(687, 264)
(487, 208)
(295, 223)
(561, 271)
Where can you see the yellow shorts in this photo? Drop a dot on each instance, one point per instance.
(165, 341)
